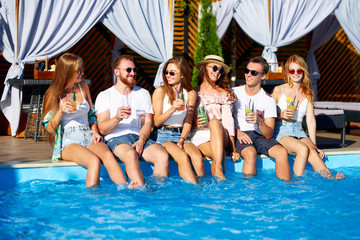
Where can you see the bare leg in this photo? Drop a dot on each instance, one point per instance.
(217, 148)
(317, 163)
(250, 156)
(301, 150)
(282, 168)
(86, 158)
(130, 157)
(183, 161)
(107, 157)
(196, 158)
(157, 155)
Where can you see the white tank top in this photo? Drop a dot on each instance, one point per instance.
(300, 111)
(77, 118)
(177, 118)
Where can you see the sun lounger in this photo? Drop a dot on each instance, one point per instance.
(329, 119)
(351, 110)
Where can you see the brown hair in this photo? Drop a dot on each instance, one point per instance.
(66, 66)
(117, 60)
(184, 68)
(305, 82)
(262, 61)
(223, 82)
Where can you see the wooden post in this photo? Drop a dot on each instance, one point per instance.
(17, 28)
(269, 11)
(186, 32)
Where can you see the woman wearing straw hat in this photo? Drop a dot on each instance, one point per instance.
(213, 132)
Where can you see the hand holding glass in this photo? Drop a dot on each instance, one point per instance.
(123, 112)
(71, 98)
(290, 110)
(249, 113)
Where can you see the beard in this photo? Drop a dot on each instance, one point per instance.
(126, 81)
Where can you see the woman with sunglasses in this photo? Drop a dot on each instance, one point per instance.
(173, 106)
(216, 98)
(295, 99)
(74, 127)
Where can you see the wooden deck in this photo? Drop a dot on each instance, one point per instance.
(18, 150)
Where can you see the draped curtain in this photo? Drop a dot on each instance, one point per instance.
(144, 26)
(290, 20)
(348, 14)
(45, 28)
(321, 34)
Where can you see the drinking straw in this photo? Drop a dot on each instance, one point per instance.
(177, 93)
(127, 98)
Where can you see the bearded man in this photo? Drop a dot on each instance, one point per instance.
(124, 113)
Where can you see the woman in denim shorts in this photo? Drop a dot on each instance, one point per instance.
(173, 106)
(71, 122)
(295, 100)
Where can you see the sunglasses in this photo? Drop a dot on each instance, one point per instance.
(215, 69)
(128, 70)
(80, 71)
(298, 71)
(253, 72)
(171, 73)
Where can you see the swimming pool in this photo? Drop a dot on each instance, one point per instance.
(238, 208)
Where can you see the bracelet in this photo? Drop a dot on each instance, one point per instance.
(182, 138)
(315, 145)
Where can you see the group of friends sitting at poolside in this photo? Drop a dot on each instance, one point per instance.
(212, 120)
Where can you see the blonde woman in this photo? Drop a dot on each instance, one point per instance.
(297, 93)
(74, 128)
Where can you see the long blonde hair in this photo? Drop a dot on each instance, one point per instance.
(305, 86)
(66, 66)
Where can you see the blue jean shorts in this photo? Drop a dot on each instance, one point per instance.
(128, 138)
(292, 129)
(81, 135)
(161, 135)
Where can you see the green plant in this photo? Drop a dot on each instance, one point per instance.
(208, 42)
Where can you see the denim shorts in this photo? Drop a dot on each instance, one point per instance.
(162, 134)
(128, 138)
(81, 135)
(261, 144)
(292, 129)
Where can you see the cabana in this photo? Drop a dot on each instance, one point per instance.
(34, 29)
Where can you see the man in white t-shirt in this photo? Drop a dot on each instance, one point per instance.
(254, 131)
(124, 114)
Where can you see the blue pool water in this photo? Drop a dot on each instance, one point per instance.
(256, 208)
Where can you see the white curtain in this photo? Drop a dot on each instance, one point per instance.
(321, 34)
(45, 28)
(348, 14)
(144, 26)
(290, 20)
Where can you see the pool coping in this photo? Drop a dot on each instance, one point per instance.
(62, 163)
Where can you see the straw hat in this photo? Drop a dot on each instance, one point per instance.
(213, 59)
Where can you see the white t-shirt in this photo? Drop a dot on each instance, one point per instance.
(264, 106)
(140, 102)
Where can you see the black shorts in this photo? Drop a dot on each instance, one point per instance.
(260, 143)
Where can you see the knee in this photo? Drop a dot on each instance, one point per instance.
(162, 156)
(214, 124)
(250, 157)
(302, 149)
(94, 162)
(182, 158)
